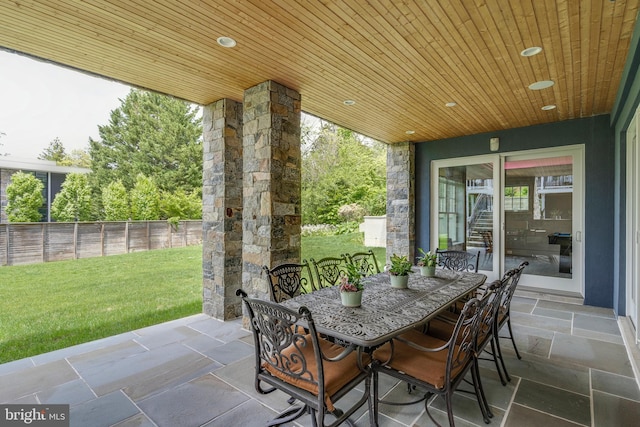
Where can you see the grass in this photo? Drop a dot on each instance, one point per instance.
(45, 307)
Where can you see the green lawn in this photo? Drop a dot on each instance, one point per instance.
(44, 307)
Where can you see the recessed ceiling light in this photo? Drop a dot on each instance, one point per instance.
(530, 51)
(348, 102)
(549, 107)
(410, 132)
(226, 41)
(450, 104)
(543, 84)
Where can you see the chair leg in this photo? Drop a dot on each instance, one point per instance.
(290, 415)
(494, 355)
(499, 355)
(512, 340)
(482, 399)
(373, 405)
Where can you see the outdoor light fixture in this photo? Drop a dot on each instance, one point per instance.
(494, 144)
(348, 102)
(450, 104)
(226, 41)
(530, 51)
(549, 107)
(410, 132)
(542, 84)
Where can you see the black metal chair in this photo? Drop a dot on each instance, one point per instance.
(365, 262)
(458, 260)
(503, 316)
(289, 280)
(436, 365)
(328, 270)
(306, 367)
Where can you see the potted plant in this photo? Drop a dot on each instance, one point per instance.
(351, 287)
(427, 262)
(399, 271)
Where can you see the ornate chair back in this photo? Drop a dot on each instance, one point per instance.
(290, 356)
(328, 270)
(289, 280)
(458, 260)
(365, 262)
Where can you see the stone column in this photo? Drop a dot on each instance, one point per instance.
(401, 200)
(222, 208)
(272, 182)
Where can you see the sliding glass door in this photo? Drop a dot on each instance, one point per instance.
(466, 217)
(543, 218)
(514, 208)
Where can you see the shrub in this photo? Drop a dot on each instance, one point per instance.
(24, 198)
(145, 200)
(73, 202)
(115, 202)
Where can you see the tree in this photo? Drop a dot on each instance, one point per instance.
(115, 202)
(341, 168)
(77, 157)
(145, 199)
(24, 198)
(55, 152)
(152, 134)
(73, 202)
(180, 205)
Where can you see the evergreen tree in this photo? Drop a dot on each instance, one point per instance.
(55, 152)
(24, 198)
(149, 134)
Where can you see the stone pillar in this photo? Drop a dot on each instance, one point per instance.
(401, 200)
(222, 208)
(272, 182)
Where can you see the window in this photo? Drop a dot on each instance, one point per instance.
(516, 198)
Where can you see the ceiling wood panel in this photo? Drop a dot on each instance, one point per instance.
(401, 61)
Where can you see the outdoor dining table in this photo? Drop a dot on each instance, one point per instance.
(385, 311)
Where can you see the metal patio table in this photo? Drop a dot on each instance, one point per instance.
(385, 311)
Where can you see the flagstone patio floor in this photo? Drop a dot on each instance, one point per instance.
(197, 371)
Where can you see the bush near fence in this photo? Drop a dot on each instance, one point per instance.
(30, 243)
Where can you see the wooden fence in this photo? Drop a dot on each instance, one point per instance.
(30, 243)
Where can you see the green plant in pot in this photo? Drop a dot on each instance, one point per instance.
(399, 271)
(427, 262)
(351, 287)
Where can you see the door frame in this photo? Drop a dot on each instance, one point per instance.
(632, 273)
(494, 159)
(578, 215)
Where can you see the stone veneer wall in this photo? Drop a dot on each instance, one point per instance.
(401, 200)
(222, 209)
(272, 182)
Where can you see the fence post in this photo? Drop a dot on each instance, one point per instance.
(7, 242)
(126, 237)
(75, 240)
(43, 243)
(102, 239)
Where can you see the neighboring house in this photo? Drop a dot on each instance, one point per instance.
(51, 175)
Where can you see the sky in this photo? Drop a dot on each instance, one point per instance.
(41, 101)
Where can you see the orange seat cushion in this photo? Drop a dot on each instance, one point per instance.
(428, 367)
(336, 374)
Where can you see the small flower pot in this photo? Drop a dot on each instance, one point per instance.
(428, 271)
(400, 282)
(351, 299)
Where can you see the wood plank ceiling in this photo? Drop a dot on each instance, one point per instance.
(401, 61)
